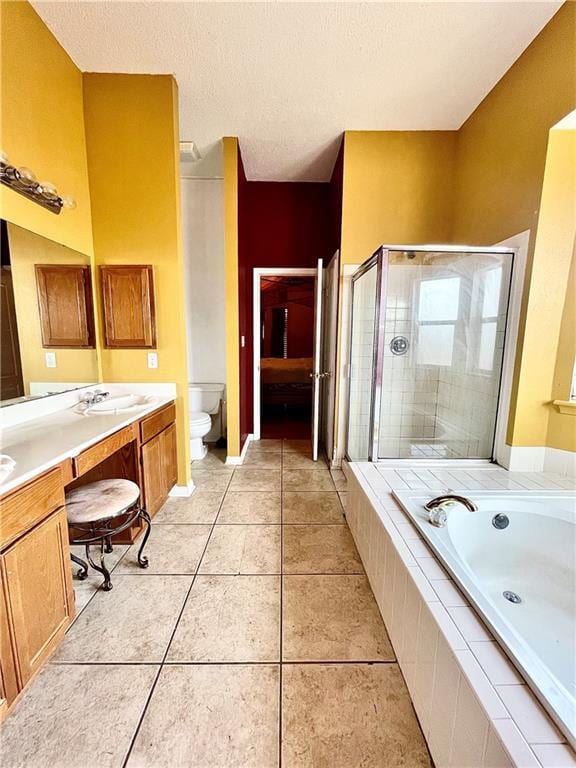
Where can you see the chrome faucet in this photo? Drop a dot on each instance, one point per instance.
(91, 398)
(436, 508)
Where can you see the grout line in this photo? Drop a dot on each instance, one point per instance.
(224, 663)
(192, 574)
(163, 662)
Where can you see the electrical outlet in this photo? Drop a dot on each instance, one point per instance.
(50, 358)
(152, 360)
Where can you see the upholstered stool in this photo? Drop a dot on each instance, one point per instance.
(92, 509)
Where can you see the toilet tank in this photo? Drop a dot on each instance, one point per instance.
(205, 397)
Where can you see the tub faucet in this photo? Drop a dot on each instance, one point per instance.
(436, 508)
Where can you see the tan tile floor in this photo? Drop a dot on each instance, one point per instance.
(253, 640)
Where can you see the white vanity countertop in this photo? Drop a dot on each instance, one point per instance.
(45, 441)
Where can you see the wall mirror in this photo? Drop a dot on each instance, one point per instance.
(47, 320)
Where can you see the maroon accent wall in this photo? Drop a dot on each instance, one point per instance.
(280, 224)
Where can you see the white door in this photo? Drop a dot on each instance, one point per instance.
(316, 371)
(328, 391)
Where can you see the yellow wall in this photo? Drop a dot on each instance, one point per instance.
(26, 250)
(562, 426)
(133, 155)
(230, 145)
(479, 186)
(502, 145)
(398, 188)
(42, 125)
(500, 172)
(548, 355)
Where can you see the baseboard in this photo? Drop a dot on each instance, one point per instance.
(182, 490)
(236, 460)
(560, 462)
(538, 459)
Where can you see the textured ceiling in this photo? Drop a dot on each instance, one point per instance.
(287, 78)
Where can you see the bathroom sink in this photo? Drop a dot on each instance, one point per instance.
(120, 403)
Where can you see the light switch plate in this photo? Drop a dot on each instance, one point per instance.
(152, 360)
(50, 358)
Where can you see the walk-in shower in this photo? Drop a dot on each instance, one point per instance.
(426, 350)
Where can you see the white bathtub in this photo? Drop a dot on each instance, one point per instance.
(533, 557)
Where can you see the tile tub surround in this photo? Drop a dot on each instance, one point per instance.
(216, 656)
(473, 706)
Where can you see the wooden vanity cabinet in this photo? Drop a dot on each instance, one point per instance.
(8, 680)
(36, 593)
(128, 306)
(158, 457)
(38, 584)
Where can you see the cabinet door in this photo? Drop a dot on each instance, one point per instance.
(169, 457)
(65, 303)
(128, 306)
(153, 475)
(38, 579)
(8, 680)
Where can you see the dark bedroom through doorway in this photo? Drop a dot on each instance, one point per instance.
(286, 361)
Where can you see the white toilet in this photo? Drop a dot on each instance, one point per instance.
(203, 402)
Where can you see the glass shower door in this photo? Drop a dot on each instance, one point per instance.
(445, 319)
(363, 359)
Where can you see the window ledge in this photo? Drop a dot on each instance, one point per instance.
(565, 406)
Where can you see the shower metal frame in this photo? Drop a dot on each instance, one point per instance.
(380, 260)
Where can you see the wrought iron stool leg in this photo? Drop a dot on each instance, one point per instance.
(108, 548)
(83, 572)
(107, 585)
(142, 560)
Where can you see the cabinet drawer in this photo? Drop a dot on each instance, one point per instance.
(21, 510)
(97, 453)
(158, 421)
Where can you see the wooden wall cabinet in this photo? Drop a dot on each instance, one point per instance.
(128, 306)
(65, 304)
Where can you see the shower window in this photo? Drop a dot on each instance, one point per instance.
(438, 307)
(427, 345)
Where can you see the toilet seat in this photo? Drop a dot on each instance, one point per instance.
(199, 419)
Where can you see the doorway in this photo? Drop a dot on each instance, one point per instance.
(286, 324)
(294, 335)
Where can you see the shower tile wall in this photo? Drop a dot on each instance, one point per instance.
(432, 410)
(409, 393)
(467, 405)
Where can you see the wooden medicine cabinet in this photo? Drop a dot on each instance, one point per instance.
(128, 306)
